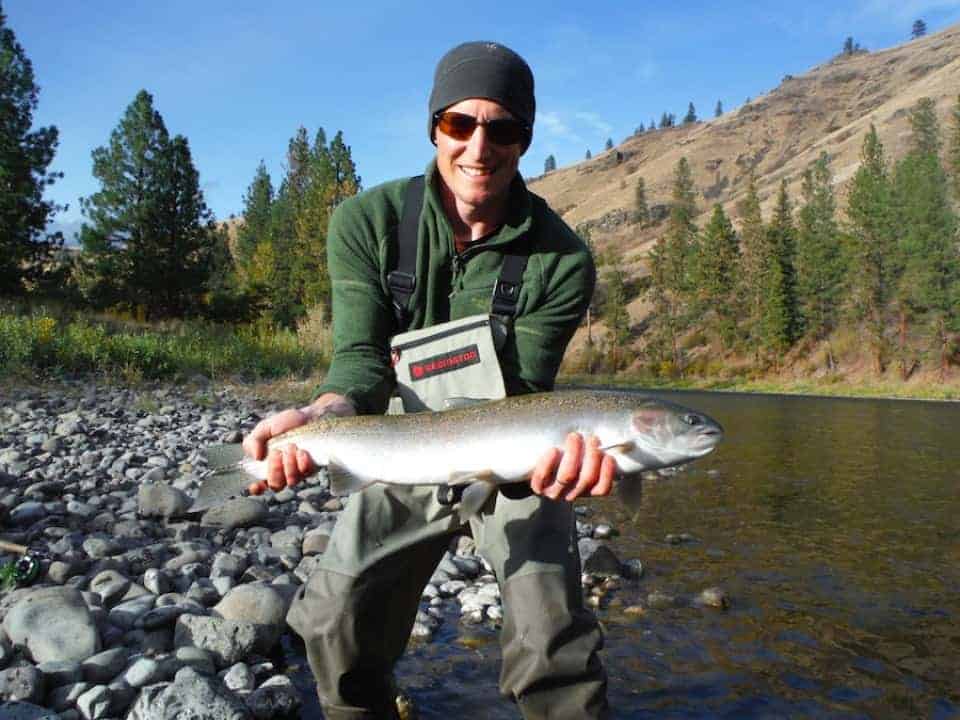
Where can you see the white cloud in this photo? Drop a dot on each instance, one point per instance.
(555, 127)
(603, 129)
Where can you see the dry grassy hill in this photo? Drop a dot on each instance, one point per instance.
(777, 134)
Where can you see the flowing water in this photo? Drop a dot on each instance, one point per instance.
(834, 528)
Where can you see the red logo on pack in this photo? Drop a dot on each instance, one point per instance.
(439, 364)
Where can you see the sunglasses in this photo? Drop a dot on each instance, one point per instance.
(503, 131)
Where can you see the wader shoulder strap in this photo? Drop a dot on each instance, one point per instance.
(403, 279)
(506, 291)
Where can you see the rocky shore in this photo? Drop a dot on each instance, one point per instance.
(142, 610)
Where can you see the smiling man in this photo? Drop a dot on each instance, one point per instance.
(458, 284)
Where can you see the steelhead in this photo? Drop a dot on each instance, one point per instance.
(478, 445)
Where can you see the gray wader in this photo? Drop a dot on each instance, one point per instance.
(357, 609)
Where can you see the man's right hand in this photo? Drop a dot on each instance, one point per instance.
(287, 467)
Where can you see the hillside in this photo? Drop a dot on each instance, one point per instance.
(778, 134)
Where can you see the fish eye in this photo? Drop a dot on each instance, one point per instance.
(692, 419)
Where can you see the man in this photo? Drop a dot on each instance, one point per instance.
(357, 609)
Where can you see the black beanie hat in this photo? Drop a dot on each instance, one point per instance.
(484, 70)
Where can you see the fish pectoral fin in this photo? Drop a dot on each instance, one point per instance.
(342, 481)
(625, 446)
(465, 477)
(474, 497)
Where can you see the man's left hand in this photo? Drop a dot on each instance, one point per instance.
(581, 468)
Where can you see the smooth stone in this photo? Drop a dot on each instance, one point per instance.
(66, 696)
(227, 565)
(95, 703)
(126, 614)
(713, 597)
(143, 671)
(53, 624)
(191, 695)
(156, 581)
(18, 710)
(110, 585)
(239, 677)
(597, 558)
(105, 666)
(236, 513)
(22, 682)
(162, 501)
(633, 569)
(277, 697)
(263, 605)
(193, 657)
(659, 600)
(228, 641)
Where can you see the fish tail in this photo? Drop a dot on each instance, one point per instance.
(224, 457)
(229, 475)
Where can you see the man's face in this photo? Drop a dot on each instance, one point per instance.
(477, 170)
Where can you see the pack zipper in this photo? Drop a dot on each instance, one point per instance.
(442, 334)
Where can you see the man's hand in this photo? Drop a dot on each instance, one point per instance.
(580, 468)
(287, 467)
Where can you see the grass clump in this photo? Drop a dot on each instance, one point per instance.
(53, 341)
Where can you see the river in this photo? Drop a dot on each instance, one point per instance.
(833, 526)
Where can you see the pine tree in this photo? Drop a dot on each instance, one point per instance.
(780, 322)
(151, 235)
(848, 46)
(665, 121)
(691, 116)
(640, 129)
(754, 259)
(615, 313)
(674, 254)
(609, 144)
(820, 261)
(926, 236)
(718, 264)
(953, 151)
(919, 29)
(25, 155)
(641, 212)
(873, 263)
(255, 229)
(550, 164)
(588, 155)
(718, 111)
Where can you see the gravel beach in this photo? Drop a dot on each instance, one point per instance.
(142, 610)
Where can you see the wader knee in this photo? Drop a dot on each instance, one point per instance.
(350, 652)
(550, 650)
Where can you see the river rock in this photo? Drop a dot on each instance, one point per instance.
(53, 624)
(192, 696)
(22, 682)
(143, 671)
(263, 605)
(228, 641)
(277, 697)
(95, 703)
(239, 677)
(598, 558)
(236, 513)
(713, 597)
(126, 614)
(105, 666)
(60, 672)
(25, 711)
(110, 585)
(162, 501)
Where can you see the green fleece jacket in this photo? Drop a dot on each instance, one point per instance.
(362, 248)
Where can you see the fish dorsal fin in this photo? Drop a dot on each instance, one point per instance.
(342, 481)
(474, 498)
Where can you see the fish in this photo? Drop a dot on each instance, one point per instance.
(477, 446)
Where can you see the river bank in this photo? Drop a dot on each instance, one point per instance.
(144, 610)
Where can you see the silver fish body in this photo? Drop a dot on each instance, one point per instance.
(493, 442)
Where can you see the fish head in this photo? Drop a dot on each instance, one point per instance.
(666, 434)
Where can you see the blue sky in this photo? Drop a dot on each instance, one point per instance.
(237, 78)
